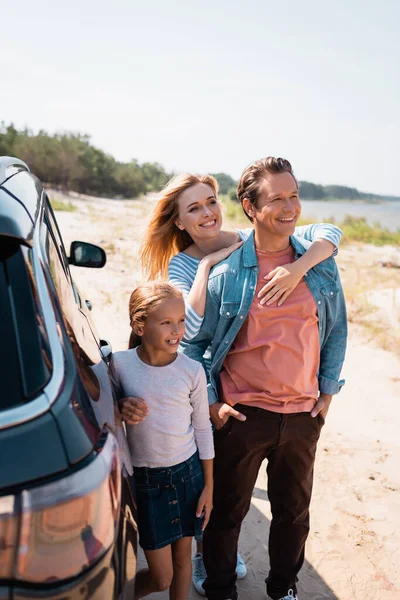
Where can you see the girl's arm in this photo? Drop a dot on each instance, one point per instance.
(284, 279)
(204, 442)
(204, 505)
(195, 294)
(200, 416)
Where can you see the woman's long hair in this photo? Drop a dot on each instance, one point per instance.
(163, 239)
(143, 300)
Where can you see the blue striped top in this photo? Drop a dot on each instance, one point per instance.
(182, 268)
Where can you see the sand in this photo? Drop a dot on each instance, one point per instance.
(353, 551)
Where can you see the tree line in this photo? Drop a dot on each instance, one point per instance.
(313, 191)
(69, 161)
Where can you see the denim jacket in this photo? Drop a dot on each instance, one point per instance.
(231, 288)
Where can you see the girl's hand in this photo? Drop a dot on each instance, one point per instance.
(204, 505)
(282, 281)
(216, 257)
(133, 410)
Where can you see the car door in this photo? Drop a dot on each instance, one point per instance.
(94, 375)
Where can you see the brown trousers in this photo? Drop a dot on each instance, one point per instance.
(289, 443)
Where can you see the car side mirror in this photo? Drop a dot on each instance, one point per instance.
(106, 350)
(82, 254)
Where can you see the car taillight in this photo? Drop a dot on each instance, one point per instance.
(67, 525)
(8, 535)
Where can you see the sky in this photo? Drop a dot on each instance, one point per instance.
(211, 85)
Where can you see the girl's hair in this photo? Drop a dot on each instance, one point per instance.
(163, 239)
(143, 300)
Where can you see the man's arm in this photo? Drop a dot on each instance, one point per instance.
(334, 350)
(332, 357)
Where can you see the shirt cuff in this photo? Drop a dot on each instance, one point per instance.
(329, 386)
(206, 455)
(212, 399)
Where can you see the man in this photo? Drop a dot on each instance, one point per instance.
(279, 367)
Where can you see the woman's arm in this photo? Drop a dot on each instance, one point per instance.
(320, 231)
(178, 275)
(284, 279)
(195, 294)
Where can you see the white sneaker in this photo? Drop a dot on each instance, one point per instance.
(290, 596)
(199, 573)
(241, 569)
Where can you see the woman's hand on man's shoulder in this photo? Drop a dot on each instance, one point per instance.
(216, 257)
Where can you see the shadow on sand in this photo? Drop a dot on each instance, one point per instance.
(253, 544)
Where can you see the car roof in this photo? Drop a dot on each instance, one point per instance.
(17, 213)
(9, 166)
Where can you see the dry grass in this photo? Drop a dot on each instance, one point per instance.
(362, 275)
(62, 205)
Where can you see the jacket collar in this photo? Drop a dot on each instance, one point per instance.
(299, 249)
(249, 250)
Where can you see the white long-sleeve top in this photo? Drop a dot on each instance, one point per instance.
(178, 421)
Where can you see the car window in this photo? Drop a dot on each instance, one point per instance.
(75, 321)
(25, 358)
(56, 235)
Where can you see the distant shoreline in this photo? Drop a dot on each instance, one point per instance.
(350, 200)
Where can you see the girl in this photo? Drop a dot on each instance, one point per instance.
(185, 240)
(172, 449)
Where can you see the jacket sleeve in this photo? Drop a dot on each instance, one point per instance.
(334, 348)
(320, 231)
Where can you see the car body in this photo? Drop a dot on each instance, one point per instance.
(67, 513)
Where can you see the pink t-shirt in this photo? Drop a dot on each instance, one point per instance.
(274, 360)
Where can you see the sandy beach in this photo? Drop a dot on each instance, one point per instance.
(353, 551)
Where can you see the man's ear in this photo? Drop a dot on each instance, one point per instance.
(248, 207)
(179, 225)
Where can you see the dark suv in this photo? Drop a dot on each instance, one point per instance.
(67, 518)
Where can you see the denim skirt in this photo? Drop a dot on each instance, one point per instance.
(166, 500)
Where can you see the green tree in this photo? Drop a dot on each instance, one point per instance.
(225, 182)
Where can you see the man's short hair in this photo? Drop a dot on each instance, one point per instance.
(252, 177)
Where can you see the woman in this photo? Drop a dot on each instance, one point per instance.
(184, 240)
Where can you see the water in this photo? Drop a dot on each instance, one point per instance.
(386, 213)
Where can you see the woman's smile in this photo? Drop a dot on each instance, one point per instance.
(209, 224)
(199, 209)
